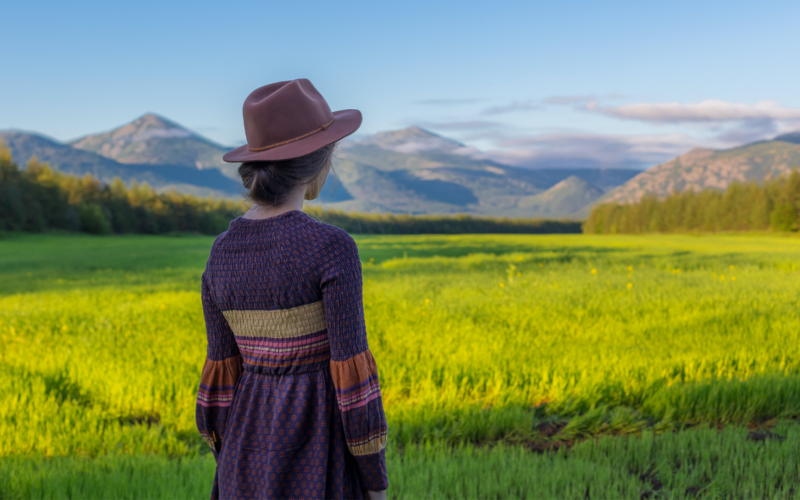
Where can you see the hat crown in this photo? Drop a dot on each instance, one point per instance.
(283, 112)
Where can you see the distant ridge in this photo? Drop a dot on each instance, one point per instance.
(793, 137)
(711, 169)
(570, 195)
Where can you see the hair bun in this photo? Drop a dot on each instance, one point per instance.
(271, 182)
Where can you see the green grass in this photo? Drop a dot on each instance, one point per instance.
(696, 463)
(480, 340)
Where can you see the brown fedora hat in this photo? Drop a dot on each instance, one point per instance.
(289, 119)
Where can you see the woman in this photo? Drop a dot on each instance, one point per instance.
(289, 397)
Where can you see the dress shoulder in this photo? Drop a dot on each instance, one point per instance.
(330, 241)
(219, 241)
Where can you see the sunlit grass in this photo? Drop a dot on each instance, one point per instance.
(478, 338)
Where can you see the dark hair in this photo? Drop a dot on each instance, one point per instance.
(271, 182)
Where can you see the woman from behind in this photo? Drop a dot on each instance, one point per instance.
(289, 398)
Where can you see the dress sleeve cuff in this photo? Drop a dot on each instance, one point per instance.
(372, 471)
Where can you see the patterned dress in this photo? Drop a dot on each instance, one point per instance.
(289, 397)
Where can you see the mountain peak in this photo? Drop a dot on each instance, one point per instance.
(154, 120)
(566, 197)
(148, 126)
(153, 139)
(575, 189)
(415, 139)
(572, 180)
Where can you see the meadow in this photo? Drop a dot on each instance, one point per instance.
(511, 366)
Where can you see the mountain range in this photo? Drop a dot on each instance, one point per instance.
(404, 171)
(714, 169)
(150, 149)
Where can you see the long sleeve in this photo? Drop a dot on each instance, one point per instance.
(221, 371)
(353, 369)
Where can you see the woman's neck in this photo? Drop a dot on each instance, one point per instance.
(294, 202)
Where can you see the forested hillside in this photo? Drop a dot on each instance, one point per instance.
(774, 205)
(41, 198)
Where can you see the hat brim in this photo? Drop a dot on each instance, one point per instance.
(345, 123)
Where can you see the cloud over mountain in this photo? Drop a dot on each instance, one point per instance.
(414, 140)
(712, 110)
(558, 150)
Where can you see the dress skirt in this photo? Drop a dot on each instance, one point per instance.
(285, 439)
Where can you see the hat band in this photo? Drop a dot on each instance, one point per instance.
(319, 129)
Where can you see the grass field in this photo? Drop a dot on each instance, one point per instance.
(487, 346)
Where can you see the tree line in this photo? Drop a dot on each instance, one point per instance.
(365, 223)
(743, 206)
(40, 198)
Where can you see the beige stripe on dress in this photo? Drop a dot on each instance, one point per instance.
(374, 445)
(278, 324)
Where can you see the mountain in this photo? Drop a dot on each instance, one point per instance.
(403, 171)
(711, 169)
(416, 171)
(568, 196)
(154, 140)
(78, 162)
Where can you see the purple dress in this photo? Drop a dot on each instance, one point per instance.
(289, 398)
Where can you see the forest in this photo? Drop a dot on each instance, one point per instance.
(743, 206)
(40, 198)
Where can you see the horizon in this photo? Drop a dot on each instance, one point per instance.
(361, 137)
(540, 84)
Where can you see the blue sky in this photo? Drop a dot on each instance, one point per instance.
(530, 83)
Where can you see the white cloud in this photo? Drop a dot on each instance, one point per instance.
(562, 100)
(591, 150)
(712, 124)
(512, 107)
(446, 102)
(712, 110)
